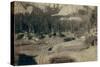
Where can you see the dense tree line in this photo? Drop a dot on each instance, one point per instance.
(42, 22)
(38, 21)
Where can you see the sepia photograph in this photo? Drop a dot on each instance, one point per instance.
(52, 33)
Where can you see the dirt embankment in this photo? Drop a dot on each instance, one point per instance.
(55, 50)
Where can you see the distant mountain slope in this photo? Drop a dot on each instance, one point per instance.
(27, 7)
(69, 9)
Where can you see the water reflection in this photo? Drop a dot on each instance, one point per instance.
(26, 60)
